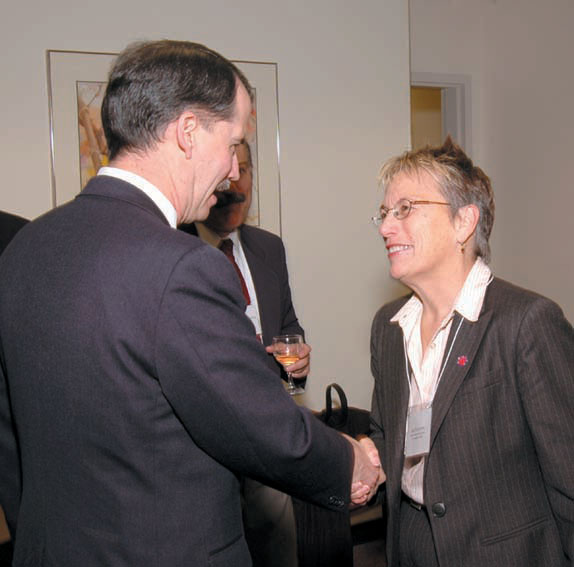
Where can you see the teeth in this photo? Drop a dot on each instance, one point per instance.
(393, 249)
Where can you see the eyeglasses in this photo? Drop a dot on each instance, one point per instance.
(401, 210)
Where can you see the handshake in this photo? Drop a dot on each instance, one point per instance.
(368, 473)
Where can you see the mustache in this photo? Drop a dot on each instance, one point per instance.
(227, 197)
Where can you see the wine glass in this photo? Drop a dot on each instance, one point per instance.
(286, 350)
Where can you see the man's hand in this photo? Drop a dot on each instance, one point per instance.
(301, 368)
(368, 474)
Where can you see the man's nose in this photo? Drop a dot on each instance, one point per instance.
(234, 172)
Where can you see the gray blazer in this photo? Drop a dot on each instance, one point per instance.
(139, 394)
(499, 478)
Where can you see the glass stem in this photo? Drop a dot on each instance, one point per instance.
(291, 384)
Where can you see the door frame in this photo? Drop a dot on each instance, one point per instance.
(455, 101)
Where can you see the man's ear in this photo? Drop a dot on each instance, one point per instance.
(466, 220)
(186, 129)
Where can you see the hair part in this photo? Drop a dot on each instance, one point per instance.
(152, 83)
(460, 182)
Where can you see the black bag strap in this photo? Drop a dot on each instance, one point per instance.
(329, 403)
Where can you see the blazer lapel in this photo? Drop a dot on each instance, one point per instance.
(264, 281)
(396, 389)
(458, 364)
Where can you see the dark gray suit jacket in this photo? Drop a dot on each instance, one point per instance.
(499, 478)
(139, 394)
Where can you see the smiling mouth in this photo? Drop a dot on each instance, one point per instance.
(398, 248)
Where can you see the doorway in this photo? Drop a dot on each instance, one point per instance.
(440, 105)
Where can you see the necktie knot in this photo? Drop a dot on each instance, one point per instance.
(226, 246)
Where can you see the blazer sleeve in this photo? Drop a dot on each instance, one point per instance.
(545, 371)
(215, 375)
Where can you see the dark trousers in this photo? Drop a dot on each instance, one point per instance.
(416, 542)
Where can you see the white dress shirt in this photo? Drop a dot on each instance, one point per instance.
(426, 370)
(252, 310)
(162, 202)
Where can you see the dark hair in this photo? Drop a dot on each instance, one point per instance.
(459, 180)
(152, 83)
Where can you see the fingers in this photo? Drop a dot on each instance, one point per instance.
(367, 471)
(359, 494)
(301, 367)
(370, 449)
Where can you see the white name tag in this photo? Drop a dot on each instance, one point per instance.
(417, 440)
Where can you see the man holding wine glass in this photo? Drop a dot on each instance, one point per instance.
(258, 258)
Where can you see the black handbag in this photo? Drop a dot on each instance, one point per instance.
(324, 536)
(350, 420)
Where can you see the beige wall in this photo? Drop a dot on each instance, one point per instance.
(343, 100)
(519, 56)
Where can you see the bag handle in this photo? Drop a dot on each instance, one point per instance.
(329, 404)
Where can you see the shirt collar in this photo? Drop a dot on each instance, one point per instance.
(162, 202)
(468, 301)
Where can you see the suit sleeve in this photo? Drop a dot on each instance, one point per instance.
(10, 484)
(545, 369)
(215, 375)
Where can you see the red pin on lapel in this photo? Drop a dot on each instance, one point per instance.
(462, 360)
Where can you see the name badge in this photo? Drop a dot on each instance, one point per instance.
(417, 440)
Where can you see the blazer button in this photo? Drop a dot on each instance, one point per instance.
(438, 509)
(336, 501)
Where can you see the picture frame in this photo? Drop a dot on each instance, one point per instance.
(76, 82)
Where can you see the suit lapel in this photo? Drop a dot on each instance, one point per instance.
(265, 288)
(397, 390)
(459, 362)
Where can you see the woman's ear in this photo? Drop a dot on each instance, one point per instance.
(466, 220)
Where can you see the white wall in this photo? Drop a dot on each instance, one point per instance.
(519, 56)
(343, 102)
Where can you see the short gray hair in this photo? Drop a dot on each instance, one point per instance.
(460, 182)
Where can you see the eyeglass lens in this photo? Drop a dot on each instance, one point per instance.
(400, 211)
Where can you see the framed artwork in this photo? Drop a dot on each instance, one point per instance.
(76, 85)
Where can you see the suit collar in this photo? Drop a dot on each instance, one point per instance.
(113, 188)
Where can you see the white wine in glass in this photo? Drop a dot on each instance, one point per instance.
(286, 350)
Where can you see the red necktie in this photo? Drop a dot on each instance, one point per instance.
(226, 246)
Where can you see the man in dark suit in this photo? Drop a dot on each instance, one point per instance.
(474, 384)
(260, 257)
(137, 388)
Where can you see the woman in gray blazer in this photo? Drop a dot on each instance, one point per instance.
(474, 383)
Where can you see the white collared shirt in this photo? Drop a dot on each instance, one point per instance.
(252, 310)
(162, 202)
(426, 371)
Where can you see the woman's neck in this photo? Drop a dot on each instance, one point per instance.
(438, 298)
